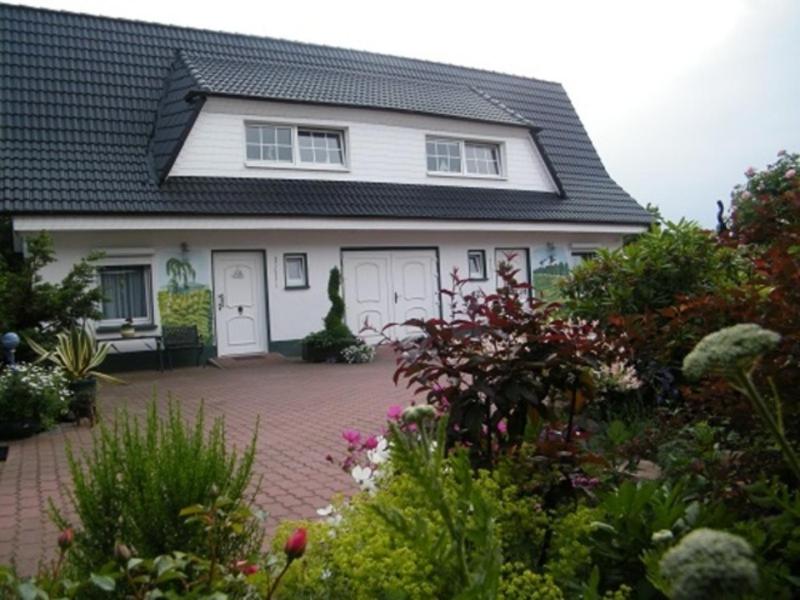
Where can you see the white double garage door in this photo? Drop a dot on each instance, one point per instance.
(389, 286)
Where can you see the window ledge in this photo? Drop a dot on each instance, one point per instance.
(296, 287)
(116, 328)
(467, 176)
(257, 164)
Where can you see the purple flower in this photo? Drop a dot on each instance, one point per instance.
(781, 152)
(750, 172)
(351, 436)
(371, 443)
(394, 412)
(502, 427)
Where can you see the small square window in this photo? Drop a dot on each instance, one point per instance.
(126, 293)
(295, 271)
(477, 265)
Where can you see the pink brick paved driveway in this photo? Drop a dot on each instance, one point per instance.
(303, 409)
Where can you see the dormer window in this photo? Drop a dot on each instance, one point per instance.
(447, 156)
(320, 147)
(292, 146)
(270, 143)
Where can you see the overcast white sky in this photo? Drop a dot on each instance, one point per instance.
(679, 96)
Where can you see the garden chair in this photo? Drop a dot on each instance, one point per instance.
(181, 337)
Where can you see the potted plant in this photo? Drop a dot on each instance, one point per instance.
(327, 344)
(127, 330)
(78, 353)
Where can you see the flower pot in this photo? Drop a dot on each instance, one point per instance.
(84, 398)
(127, 331)
(15, 430)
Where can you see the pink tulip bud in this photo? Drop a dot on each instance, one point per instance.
(295, 545)
(65, 538)
(371, 443)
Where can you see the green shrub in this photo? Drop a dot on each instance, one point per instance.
(651, 273)
(27, 302)
(519, 583)
(328, 344)
(133, 484)
(32, 392)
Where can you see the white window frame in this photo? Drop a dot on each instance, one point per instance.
(462, 142)
(296, 163)
(296, 284)
(130, 261)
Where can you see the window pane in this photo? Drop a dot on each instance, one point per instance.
(285, 154)
(268, 135)
(285, 136)
(125, 292)
(444, 156)
(295, 271)
(486, 159)
(253, 152)
(268, 152)
(253, 135)
(325, 147)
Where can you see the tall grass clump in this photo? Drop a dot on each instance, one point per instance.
(131, 486)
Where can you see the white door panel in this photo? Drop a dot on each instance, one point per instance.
(385, 286)
(367, 294)
(240, 302)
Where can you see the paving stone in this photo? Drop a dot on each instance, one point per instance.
(302, 408)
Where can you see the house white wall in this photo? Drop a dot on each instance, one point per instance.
(295, 313)
(382, 146)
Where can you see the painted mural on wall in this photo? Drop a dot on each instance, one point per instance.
(184, 301)
(550, 265)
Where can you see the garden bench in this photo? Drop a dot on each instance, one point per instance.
(181, 337)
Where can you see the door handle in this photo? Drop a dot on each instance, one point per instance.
(221, 304)
(396, 297)
(241, 310)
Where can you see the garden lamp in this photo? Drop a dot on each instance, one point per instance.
(10, 341)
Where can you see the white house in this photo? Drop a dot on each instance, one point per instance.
(224, 175)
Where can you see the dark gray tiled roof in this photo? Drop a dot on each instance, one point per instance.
(80, 96)
(262, 79)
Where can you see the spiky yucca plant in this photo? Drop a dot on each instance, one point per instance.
(78, 353)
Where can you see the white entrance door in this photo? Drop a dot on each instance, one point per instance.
(240, 303)
(384, 286)
(517, 258)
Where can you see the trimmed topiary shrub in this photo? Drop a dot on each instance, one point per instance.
(327, 344)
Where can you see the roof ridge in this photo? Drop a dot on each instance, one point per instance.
(183, 56)
(526, 78)
(485, 95)
(291, 63)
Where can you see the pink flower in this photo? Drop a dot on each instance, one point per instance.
(371, 443)
(394, 412)
(351, 436)
(502, 427)
(246, 568)
(750, 172)
(746, 195)
(790, 174)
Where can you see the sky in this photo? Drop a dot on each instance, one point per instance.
(680, 96)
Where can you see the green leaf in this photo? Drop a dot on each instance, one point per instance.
(192, 510)
(104, 582)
